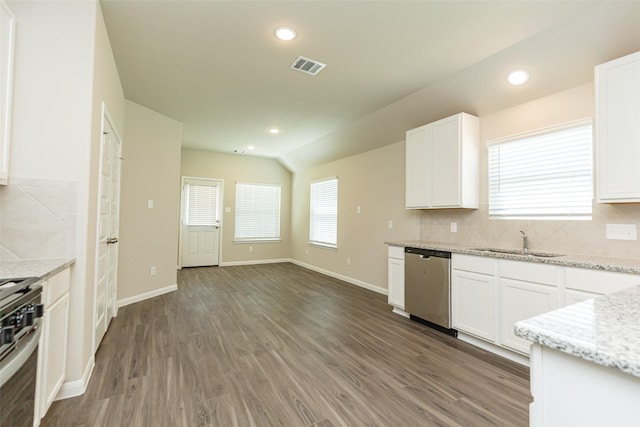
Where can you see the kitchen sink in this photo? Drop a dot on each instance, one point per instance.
(519, 252)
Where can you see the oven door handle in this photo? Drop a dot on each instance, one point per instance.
(19, 356)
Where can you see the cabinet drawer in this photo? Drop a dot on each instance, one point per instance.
(529, 272)
(476, 264)
(396, 252)
(600, 282)
(56, 287)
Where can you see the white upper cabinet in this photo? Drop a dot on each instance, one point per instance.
(442, 164)
(7, 32)
(617, 130)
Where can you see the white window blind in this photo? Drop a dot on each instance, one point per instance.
(323, 224)
(543, 175)
(257, 212)
(201, 204)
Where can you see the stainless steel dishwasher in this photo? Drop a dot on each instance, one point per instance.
(428, 288)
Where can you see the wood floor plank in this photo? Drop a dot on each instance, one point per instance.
(279, 345)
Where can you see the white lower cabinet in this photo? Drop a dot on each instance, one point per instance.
(474, 304)
(473, 296)
(396, 277)
(521, 300)
(53, 354)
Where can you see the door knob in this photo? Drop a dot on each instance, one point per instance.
(112, 240)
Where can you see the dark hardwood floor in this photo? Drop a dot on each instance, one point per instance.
(279, 345)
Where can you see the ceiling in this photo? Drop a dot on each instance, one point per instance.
(391, 65)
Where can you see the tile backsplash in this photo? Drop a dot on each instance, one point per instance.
(38, 219)
(474, 228)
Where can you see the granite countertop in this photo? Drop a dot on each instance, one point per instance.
(605, 330)
(42, 269)
(621, 265)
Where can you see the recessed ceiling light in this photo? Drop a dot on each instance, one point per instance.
(518, 77)
(285, 33)
(251, 147)
(274, 131)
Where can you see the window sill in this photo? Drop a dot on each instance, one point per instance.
(257, 241)
(324, 246)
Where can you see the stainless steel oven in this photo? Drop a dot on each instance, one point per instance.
(20, 313)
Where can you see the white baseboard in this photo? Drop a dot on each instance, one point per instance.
(147, 295)
(507, 354)
(401, 312)
(78, 387)
(254, 262)
(347, 279)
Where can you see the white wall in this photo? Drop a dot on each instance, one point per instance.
(374, 181)
(57, 95)
(571, 237)
(150, 171)
(233, 168)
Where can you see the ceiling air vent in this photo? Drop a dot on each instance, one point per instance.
(308, 66)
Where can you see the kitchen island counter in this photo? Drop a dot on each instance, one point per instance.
(604, 330)
(585, 362)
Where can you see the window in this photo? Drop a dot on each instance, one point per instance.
(201, 203)
(323, 223)
(257, 212)
(542, 175)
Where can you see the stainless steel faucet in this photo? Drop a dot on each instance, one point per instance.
(525, 242)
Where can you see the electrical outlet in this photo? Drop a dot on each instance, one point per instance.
(152, 270)
(453, 227)
(306, 251)
(348, 261)
(250, 248)
(622, 232)
(150, 203)
(390, 224)
(358, 210)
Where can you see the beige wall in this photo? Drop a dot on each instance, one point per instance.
(374, 181)
(150, 171)
(234, 168)
(64, 70)
(576, 237)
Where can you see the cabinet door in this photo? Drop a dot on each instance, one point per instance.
(473, 304)
(396, 282)
(617, 130)
(418, 176)
(444, 137)
(56, 328)
(519, 301)
(573, 297)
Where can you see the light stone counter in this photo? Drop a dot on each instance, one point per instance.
(605, 330)
(42, 269)
(621, 265)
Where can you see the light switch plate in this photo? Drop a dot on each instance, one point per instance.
(622, 232)
(453, 227)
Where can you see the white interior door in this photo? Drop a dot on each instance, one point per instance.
(200, 222)
(108, 226)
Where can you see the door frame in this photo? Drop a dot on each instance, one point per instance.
(105, 117)
(220, 183)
